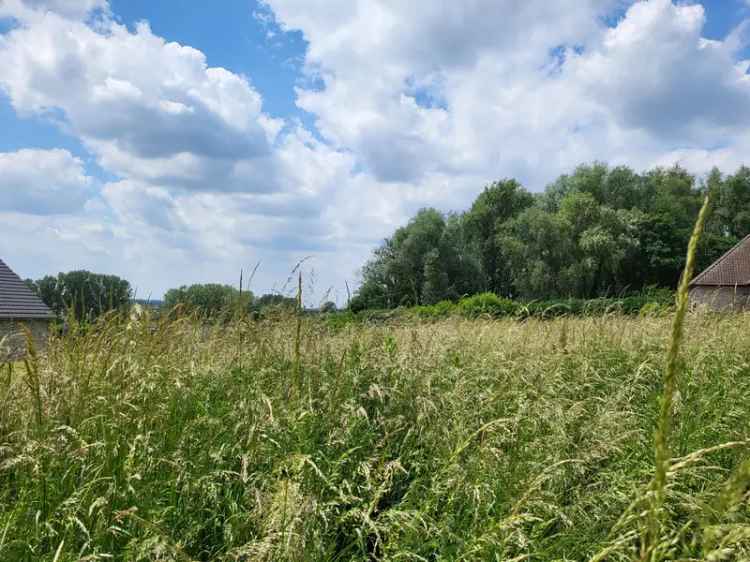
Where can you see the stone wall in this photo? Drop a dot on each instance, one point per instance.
(13, 341)
(721, 298)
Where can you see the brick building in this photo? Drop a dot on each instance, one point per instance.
(19, 306)
(725, 284)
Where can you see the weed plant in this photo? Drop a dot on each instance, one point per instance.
(145, 439)
(489, 305)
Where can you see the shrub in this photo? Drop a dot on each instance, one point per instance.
(486, 303)
(441, 309)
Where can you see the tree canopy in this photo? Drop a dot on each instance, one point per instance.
(598, 231)
(85, 294)
(212, 299)
(208, 299)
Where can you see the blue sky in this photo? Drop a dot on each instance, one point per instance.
(234, 36)
(219, 135)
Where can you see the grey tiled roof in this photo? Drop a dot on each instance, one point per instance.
(17, 300)
(733, 268)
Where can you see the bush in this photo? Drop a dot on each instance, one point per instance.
(486, 303)
(442, 309)
(328, 307)
(489, 304)
(654, 309)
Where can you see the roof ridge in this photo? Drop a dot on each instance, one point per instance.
(17, 300)
(697, 279)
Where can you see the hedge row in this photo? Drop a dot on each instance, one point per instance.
(489, 304)
(652, 302)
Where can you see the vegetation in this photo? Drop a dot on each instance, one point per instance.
(274, 301)
(213, 300)
(598, 232)
(88, 295)
(82, 293)
(456, 439)
(187, 436)
(328, 306)
(651, 301)
(209, 299)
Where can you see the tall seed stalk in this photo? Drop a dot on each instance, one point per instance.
(240, 319)
(298, 335)
(31, 362)
(669, 382)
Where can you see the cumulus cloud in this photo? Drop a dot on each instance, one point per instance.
(679, 85)
(42, 182)
(396, 74)
(147, 108)
(139, 204)
(494, 88)
(30, 9)
(415, 103)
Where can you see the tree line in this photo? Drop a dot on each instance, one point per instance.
(599, 231)
(87, 295)
(211, 299)
(83, 294)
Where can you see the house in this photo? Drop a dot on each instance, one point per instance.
(725, 284)
(19, 306)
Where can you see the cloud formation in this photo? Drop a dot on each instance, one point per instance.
(42, 182)
(31, 9)
(415, 104)
(680, 87)
(515, 94)
(147, 108)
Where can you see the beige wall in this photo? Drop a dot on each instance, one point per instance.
(13, 341)
(721, 298)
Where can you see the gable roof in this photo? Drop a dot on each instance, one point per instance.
(17, 301)
(731, 269)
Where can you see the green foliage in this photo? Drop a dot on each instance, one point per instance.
(213, 300)
(595, 233)
(650, 302)
(441, 309)
(486, 303)
(498, 203)
(274, 302)
(328, 307)
(424, 262)
(654, 309)
(82, 293)
(143, 439)
(654, 547)
(210, 299)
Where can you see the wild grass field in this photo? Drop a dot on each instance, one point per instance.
(454, 439)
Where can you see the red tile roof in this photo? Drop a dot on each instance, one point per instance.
(731, 269)
(17, 301)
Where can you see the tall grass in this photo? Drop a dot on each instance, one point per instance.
(650, 550)
(142, 439)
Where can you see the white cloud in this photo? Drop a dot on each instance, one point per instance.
(42, 182)
(419, 103)
(148, 109)
(32, 9)
(142, 205)
(654, 71)
(500, 89)
(381, 61)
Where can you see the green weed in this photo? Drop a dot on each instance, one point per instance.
(140, 439)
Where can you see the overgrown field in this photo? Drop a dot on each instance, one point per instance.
(455, 439)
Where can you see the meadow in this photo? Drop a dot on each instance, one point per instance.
(298, 439)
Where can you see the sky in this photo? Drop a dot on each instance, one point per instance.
(179, 142)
